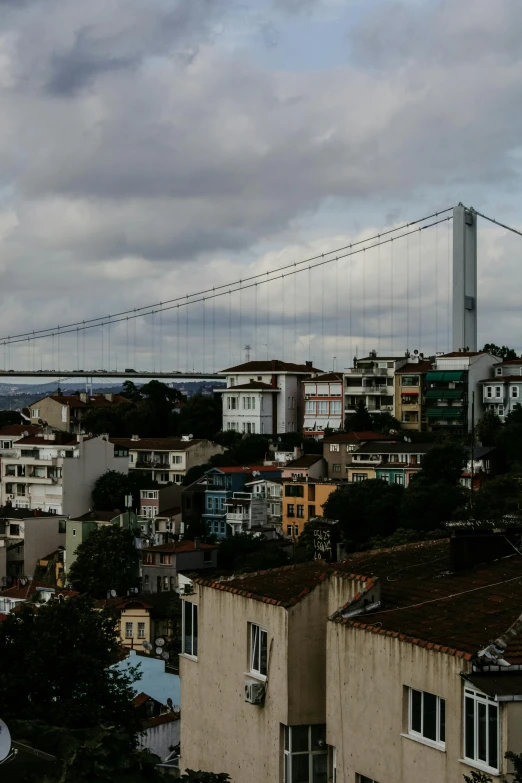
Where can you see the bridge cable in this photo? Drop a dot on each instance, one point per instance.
(420, 291)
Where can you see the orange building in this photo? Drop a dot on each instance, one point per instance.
(302, 500)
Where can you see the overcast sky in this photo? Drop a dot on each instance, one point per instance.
(149, 148)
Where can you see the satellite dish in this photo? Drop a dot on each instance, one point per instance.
(169, 702)
(165, 655)
(113, 594)
(160, 642)
(147, 645)
(158, 650)
(5, 741)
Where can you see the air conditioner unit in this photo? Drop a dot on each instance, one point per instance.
(188, 589)
(254, 692)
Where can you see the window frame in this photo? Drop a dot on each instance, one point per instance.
(188, 650)
(129, 629)
(481, 698)
(256, 635)
(141, 630)
(289, 754)
(440, 724)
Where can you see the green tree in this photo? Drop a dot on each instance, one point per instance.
(503, 352)
(106, 560)
(365, 509)
(109, 490)
(500, 496)
(384, 422)
(66, 679)
(488, 427)
(245, 552)
(509, 440)
(443, 463)
(428, 503)
(10, 417)
(201, 416)
(131, 391)
(360, 421)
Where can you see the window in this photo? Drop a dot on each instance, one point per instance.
(336, 467)
(292, 530)
(166, 559)
(311, 512)
(322, 408)
(290, 510)
(427, 716)
(310, 407)
(231, 403)
(350, 447)
(306, 754)
(148, 558)
(74, 531)
(384, 477)
(481, 729)
(300, 511)
(359, 476)
(294, 491)
(399, 478)
(14, 530)
(166, 583)
(514, 391)
(498, 371)
(190, 629)
(409, 380)
(141, 630)
(364, 779)
(258, 650)
(61, 526)
(334, 447)
(177, 459)
(497, 391)
(35, 413)
(489, 391)
(335, 407)
(128, 630)
(207, 556)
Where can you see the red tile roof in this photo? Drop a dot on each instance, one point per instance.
(19, 429)
(500, 378)
(94, 401)
(158, 720)
(272, 366)
(254, 385)
(63, 439)
(327, 376)
(416, 367)
(257, 468)
(177, 546)
(512, 361)
(306, 461)
(456, 354)
(156, 444)
(141, 698)
(355, 437)
(24, 592)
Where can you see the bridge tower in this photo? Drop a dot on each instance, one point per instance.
(464, 279)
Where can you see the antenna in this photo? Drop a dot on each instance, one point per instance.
(5, 741)
(165, 655)
(248, 348)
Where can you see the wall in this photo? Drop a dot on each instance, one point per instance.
(75, 533)
(135, 614)
(155, 681)
(480, 367)
(79, 475)
(261, 416)
(41, 537)
(159, 739)
(415, 408)
(50, 411)
(219, 730)
(366, 675)
(3, 561)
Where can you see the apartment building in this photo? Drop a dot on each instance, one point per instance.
(264, 397)
(303, 500)
(503, 389)
(338, 450)
(307, 466)
(161, 564)
(246, 511)
(450, 387)
(56, 471)
(410, 394)
(79, 528)
(399, 665)
(26, 538)
(221, 486)
(323, 404)
(165, 460)
(12, 433)
(371, 380)
(272, 491)
(394, 463)
(65, 412)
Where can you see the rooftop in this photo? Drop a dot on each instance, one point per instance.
(24, 592)
(11, 512)
(245, 469)
(306, 461)
(500, 378)
(399, 447)
(415, 367)
(98, 516)
(329, 376)
(355, 437)
(177, 546)
(508, 361)
(61, 439)
(458, 354)
(19, 429)
(252, 385)
(272, 366)
(156, 444)
(93, 401)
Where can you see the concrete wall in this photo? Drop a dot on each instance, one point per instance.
(159, 739)
(367, 676)
(41, 537)
(51, 412)
(79, 475)
(135, 614)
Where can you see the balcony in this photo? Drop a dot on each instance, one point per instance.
(238, 517)
(152, 463)
(370, 459)
(361, 371)
(376, 389)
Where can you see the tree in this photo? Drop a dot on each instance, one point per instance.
(245, 552)
(488, 427)
(106, 560)
(504, 353)
(365, 509)
(131, 391)
(500, 496)
(10, 417)
(428, 503)
(109, 490)
(66, 679)
(384, 422)
(443, 463)
(360, 421)
(201, 416)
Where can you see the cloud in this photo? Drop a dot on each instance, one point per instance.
(140, 156)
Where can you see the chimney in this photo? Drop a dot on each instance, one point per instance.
(83, 396)
(109, 397)
(135, 437)
(309, 364)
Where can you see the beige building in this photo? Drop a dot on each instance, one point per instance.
(166, 460)
(410, 394)
(26, 539)
(66, 412)
(338, 450)
(395, 666)
(55, 471)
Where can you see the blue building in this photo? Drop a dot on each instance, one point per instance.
(221, 485)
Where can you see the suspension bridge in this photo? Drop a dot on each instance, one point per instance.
(410, 286)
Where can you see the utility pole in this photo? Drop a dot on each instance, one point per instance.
(464, 279)
(472, 448)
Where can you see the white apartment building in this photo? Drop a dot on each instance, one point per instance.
(56, 471)
(165, 460)
(324, 408)
(272, 491)
(503, 390)
(372, 380)
(264, 397)
(451, 384)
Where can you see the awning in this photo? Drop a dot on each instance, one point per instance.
(309, 423)
(409, 394)
(445, 376)
(505, 686)
(445, 413)
(444, 394)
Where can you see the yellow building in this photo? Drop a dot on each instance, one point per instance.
(410, 387)
(142, 618)
(303, 500)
